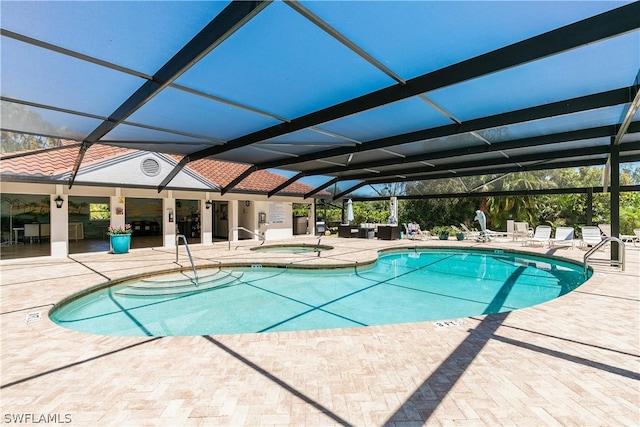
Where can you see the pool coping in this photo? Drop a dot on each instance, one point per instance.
(397, 249)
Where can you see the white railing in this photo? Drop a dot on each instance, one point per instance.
(186, 245)
(231, 230)
(613, 262)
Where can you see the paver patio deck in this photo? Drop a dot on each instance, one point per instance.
(571, 361)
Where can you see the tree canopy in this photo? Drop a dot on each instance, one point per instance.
(552, 209)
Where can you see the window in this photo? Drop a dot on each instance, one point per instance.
(99, 211)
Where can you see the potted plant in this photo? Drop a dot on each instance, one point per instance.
(442, 232)
(120, 238)
(460, 236)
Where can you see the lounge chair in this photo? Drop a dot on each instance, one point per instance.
(521, 231)
(627, 238)
(635, 237)
(494, 233)
(413, 231)
(458, 231)
(486, 234)
(468, 234)
(590, 236)
(542, 235)
(408, 234)
(564, 237)
(605, 229)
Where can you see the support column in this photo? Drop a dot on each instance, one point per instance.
(59, 224)
(615, 198)
(589, 205)
(233, 219)
(206, 222)
(312, 218)
(169, 221)
(324, 207)
(116, 206)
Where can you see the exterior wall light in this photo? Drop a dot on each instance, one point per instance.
(59, 201)
(208, 204)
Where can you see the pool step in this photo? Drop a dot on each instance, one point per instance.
(177, 280)
(179, 284)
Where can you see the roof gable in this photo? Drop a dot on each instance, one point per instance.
(139, 168)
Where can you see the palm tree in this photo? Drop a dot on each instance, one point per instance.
(519, 208)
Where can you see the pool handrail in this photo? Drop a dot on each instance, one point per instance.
(597, 246)
(186, 245)
(231, 230)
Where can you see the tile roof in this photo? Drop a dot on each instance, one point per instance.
(260, 181)
(54, 163)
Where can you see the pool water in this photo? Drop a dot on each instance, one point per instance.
(407, 286)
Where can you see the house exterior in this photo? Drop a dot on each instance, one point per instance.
(125, 182)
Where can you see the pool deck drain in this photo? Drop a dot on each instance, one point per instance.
(570, 361)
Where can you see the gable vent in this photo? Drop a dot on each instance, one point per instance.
(150, 167)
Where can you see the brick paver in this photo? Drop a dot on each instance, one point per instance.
(571, 361)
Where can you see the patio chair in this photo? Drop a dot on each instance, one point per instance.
(564, 237)
(590, 236)
(511, 228)
(542, 235)
(45, 231)
(32, 232)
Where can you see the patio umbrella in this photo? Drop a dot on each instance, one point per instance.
(349, 211)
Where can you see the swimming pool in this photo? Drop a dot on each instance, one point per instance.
(402, 286)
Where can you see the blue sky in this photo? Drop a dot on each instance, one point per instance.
(298, 69)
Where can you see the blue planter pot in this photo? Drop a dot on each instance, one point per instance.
(120, 243)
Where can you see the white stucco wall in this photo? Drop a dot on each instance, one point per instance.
(59, 229)
(279, 216)
(278, 210)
